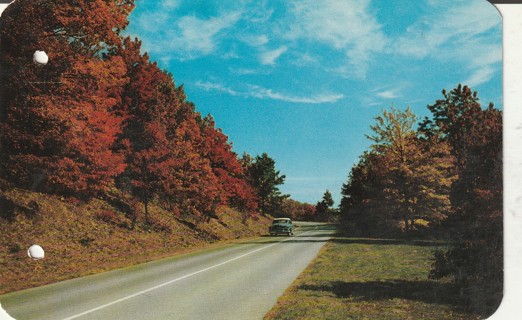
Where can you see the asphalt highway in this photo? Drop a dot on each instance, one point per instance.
(237, 281)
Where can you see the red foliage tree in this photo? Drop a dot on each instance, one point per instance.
(163, 156)
(233, 187)
(59, 121)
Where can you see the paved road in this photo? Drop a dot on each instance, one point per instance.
(239, 281)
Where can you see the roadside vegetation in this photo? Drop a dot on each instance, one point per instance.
(440, 179)
(103, 160)
(372, 278)
(81, 238)
(425, 203)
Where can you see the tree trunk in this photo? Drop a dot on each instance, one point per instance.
(146, 205)
(406, 222)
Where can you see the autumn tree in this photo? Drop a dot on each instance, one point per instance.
(233, 187)
(101, 114)
(60, 121)
(475, 229)
(161, 137)
(417, 180)
(297, 210)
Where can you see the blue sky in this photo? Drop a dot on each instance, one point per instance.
(303, 80)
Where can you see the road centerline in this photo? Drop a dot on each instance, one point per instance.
(176, 280)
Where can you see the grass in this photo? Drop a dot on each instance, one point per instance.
(85, 238)
(360, 278)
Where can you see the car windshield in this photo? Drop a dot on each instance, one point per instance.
(280, 221)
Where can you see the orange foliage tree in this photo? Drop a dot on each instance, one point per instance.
(59, 121)
(233, 187)
(101, 112)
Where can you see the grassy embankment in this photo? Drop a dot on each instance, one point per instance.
(358, 278)
(85, 238)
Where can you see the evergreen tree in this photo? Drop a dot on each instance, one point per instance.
(324, 206)
(475, 228)
(265, 179)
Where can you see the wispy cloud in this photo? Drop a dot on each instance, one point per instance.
(389, 91)
(304, 59)
(480, 76)
(456, 33)
(264, 93)
(343, 25)
(169, 4)
(388, 94)
(209, 86)
(197, 36)
(185, 37)
(255, 91)
(255, 40)
(269, 57)
(244, 71)
(153, 21)
(368, 102)
(456, 23)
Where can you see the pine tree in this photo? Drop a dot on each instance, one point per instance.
(323, 207)
(265, 179)
(475, 228)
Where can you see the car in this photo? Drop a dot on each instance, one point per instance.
(281, 226)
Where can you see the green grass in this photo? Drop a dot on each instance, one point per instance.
(356, 278)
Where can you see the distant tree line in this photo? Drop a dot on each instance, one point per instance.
(439, 177)
(100, 117)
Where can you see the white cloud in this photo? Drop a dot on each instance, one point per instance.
(197, 36)
(208, 86)
(187, 37)
(269, 57)
(368, 102)
(259, 92)
(344, 25)
(244, 71)
(388, 94)
(305, 59)
(259, 14)
(456, 24)
(264, 93)
(459, 31)
(169, 4)
(255, 40)
(480, 76)
(154, 21)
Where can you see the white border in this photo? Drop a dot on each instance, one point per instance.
(512, 44)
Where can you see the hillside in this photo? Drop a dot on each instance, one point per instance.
(81, 238)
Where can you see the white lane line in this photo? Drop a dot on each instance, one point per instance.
(175, 280)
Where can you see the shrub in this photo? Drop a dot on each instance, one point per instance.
(106, 215)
